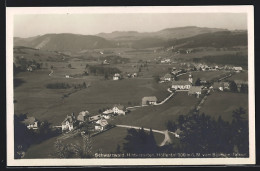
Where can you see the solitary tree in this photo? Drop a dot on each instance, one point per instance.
(197, 83)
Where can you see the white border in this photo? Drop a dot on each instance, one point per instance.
(11, 11)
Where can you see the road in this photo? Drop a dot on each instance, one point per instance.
(167, 139)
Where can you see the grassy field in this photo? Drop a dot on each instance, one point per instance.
(105, 142)
(239, 76)
(156, 117)
(47, 104)
(223, 103)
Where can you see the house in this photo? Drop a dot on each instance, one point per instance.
(94, 118)
(31, 123)
(174, 69)
(218, 86)
(237, 69)
(119, 109)
(167, 77)
(106, 115)
(175, 72)
(226, 85)
(105, 62)
(117, 76)
(165, 61)
(195, 90)
(69, 122)
(134, 75)
(101, 125)
(239, 84)
(181, 85)
(31, 68)
(67, 76)
(221, 86)
(82, 117)
(151, 100)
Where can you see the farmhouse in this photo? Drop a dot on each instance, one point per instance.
(69, 122)
(105, 62)
(220, 86)
(106, 115)
(94, 118)
(195, 90)
(67, 76)
(119, 109)
(134, 75)
(167, 77)
(31, 68)
(149, 100)
(31, 123)
(237, 69)
(181, 85)
(240, 83)
(82, 117)
(101, 125)
(165, 61)
(117, 76)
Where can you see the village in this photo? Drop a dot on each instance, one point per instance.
(97, 123)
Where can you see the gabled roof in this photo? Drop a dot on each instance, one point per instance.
(102, 122)
(70, 119)
(180, 82)
(29, 121)
(195, 89)
(150, 98)
(94, 118)
(167, 75)
(117, 75)
(120, 107)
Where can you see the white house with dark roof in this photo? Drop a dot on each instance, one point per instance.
(31, 123)
(117, 76)
(167, 77)
(119, 109)
(149, 100)
(69, 123)
(101, 125)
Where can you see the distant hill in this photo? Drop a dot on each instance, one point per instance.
(64, 42)
(216, 39)
(169, 33)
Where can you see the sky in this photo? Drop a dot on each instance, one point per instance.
(29, 25)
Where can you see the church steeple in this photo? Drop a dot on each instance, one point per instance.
(190, 78)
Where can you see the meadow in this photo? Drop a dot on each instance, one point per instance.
(34, 98)
(156, 117)
(223, 103)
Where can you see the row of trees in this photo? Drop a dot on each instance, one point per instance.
(101, 70)
(71, 150)
(65, 86)
(199, 133)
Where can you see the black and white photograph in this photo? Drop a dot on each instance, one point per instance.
(130, 86)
